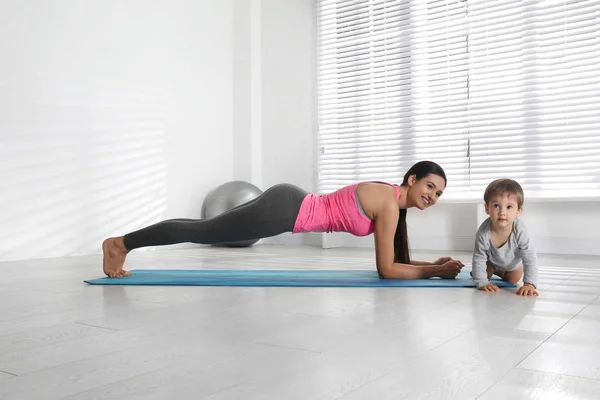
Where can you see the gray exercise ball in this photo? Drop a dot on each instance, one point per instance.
(227, 196)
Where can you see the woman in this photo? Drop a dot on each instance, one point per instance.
(359, 209)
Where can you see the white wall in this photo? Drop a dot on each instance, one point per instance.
(289, 89)
(289, 140)
(275, 116)
(275, 135)
(113, 115)
(288, 101)
(565, 227)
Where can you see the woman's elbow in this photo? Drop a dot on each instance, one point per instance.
(385, 272)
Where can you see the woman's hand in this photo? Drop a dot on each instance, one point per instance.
(443, 260)
(450, 269)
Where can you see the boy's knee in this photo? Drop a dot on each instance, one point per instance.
(515, 275)
(491, 270)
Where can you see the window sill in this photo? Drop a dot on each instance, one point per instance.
(546, 196)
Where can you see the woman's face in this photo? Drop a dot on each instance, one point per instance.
(426, 191)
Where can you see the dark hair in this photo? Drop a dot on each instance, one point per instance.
(421, 169)
(501, 186)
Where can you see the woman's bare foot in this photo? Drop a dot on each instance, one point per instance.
(114, 257)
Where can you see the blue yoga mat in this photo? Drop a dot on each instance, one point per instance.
(304, 278)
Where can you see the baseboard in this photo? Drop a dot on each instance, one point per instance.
(442, 243)
(543, 245)
(568, 245)
(304, 239)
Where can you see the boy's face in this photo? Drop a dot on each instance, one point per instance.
(503, 209)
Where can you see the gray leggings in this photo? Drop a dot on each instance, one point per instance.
(272, 213)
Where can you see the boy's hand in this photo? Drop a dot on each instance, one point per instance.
(490, 287)
(527, 290)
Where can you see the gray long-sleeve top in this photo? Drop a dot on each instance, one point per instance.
(518, 248)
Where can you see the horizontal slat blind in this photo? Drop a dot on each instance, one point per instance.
(392, 89)
(487, 89)
(534, 88)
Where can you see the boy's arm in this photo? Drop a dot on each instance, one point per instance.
(529, 256)
(479, 264)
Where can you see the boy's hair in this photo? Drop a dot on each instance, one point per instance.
(501, 186)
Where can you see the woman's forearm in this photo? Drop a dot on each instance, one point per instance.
(409, 271)
(416, 262)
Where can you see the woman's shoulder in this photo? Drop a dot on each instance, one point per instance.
(378, 188)
(377, 199)
(381, 188)
(376, 183)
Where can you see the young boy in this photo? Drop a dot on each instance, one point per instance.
(502, 241)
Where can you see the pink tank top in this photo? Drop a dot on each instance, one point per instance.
(339, 211)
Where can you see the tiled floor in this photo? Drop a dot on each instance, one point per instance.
(63, 339)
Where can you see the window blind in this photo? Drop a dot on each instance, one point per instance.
(535, 93)
(487, 89)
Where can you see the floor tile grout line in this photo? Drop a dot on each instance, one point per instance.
(34, 347)
(287, 347)
(558, 374)
(537, 347)
(96, 326)
(220, 390)
(137, 376)
(84, 359)
(417, 359)
(46, 327)
(66, 311)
